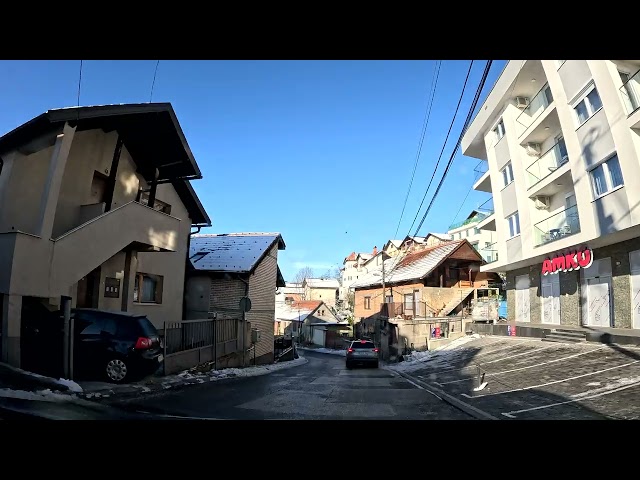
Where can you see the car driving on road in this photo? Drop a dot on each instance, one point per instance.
(362, 352)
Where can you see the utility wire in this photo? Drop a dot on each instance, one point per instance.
(464, 129)
(425, 123)
(444, 144)
(154, 80)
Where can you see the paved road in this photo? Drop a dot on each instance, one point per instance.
(321, 389)
(533, 379)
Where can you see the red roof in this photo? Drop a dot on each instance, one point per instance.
(307, 304)
(351, 257)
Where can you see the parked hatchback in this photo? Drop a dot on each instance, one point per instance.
(115, 346)
(362, 352)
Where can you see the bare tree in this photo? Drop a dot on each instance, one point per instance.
(303, 273)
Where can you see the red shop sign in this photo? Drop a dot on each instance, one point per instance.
(565, 263)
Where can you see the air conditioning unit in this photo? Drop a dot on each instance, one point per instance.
(533, 149)
(542, 202)
(522, 102)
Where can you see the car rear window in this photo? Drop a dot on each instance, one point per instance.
(147, 327)
(362, 345)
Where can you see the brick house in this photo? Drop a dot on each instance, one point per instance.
(433, 282)
(223, 268)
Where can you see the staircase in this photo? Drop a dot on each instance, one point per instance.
(565, 336)
(455, 301)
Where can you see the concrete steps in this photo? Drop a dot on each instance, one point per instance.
(455, 301)
(565, 336)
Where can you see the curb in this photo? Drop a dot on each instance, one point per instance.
(24, 380)
(451, 400)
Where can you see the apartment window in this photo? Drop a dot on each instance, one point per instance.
(629, 92)
(476, 231)
(389, 299)
(148, 288)
(367, 303)
(606, 176)
(499, 130)
(588, 106)
(514, 224)
(507, 174)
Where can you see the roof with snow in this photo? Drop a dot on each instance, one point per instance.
(395, 243)
(232, 252)
(322, 283)
(413, 266)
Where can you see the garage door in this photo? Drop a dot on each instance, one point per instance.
(522, 299)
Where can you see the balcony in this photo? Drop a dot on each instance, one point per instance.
(538, 104)
(630, 92)
(489, 221)
(482, 182)
(547, 163)
(490, 252)
(469, 221)
(557, 227)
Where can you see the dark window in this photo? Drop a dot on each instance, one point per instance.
(129, 328)
(362, 345)
(109, 326)
(367, 303)
(147, 288)
(88, 324)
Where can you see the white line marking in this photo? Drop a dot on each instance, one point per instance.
(513, 413)
(516, 355)
(525, 368)
(550, 383)
(422, 388)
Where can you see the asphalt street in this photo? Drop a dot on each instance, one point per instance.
(319, 390)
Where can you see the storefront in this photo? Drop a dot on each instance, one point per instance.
(579, 287)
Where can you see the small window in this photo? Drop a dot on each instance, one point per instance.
(476, 231)
(507, 174)
(588, 106)
(367, 303)
(514, 224)
(499, 130)
(606, 176)
(147, 288)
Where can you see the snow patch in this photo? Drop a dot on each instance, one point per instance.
(41, 395)
(214, 375)
(329, 351)
(73, 386)
(609, 386)
(439, 357)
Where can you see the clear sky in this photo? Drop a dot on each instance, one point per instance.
(320, 151)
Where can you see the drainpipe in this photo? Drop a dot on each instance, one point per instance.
(184, 287)
(244, 318)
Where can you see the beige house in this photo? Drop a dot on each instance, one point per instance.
(560, 140)
(392, 247)
(351, 271)
(483, 240)
(96, 205)
(225, 268)
(321, 289)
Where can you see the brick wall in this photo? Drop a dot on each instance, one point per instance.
(262, 289)
(225, 297)
(376, 298)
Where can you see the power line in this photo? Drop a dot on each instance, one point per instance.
(462, 205)
(434, 84)
(154, 80)
(444, 144)
(464, 129)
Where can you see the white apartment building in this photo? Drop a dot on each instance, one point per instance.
(561, 139)
(483, 240)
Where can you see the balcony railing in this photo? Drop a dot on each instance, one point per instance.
(490, 252)
(631, 93)
(557, 226)
(481, 168)
(547, 163)
(486, 208)
(538, 104)
(469, 221)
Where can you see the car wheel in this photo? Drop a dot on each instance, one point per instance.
(117, 370)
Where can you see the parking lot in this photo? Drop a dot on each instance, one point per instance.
(533, 379)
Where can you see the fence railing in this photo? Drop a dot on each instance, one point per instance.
(557, 226)
(191, 334)
(537, 105)
(547, 163)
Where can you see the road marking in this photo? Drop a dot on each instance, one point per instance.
(609, 392)
(516, 355)
(549, 383)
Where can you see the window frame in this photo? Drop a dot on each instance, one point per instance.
(604, 164)
(367, 303)
(508, 167)
(499, 130)
(139, 280)
(516, 215)
(582, 97)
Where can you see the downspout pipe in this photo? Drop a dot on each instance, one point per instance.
(184, 287)
(243, 323)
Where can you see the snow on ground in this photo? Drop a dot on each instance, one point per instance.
(439, 356)
(41, 395)
(330, 351)
(214, 375)
(73, 386)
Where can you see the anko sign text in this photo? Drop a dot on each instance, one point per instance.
(565, 263)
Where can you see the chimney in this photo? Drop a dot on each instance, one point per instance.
(375, 250)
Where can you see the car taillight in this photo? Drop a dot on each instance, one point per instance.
(375, 350)
(143, 343)
(350, 350)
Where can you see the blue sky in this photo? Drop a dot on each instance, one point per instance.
(321, 151)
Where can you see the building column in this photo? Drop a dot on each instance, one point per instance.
(57, 164)
(11, 314)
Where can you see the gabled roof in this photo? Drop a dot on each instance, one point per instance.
(310, 305)
(232, 252)
(441, 236)
(395, 243)
(150, 132)
(322, 283)
(414, 266)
